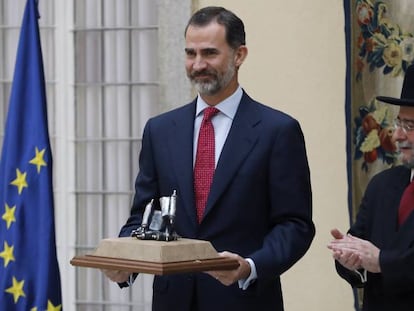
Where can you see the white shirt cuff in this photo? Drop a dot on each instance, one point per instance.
(244, 284)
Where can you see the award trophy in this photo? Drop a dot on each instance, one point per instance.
(156, 248)
(165, 231)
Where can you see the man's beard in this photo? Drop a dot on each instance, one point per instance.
(406, 162)
(215, 83)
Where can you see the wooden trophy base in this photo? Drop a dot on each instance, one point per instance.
(155, 257)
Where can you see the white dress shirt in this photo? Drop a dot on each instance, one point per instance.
(222, 122)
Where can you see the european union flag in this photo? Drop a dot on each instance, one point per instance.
(29, 272)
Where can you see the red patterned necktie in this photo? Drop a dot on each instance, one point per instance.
(205, 161)
(406, 203)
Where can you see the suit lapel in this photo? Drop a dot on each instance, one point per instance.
(408, 224)
(391, 233)
(242, 137)
(180, 145)
(405, 235)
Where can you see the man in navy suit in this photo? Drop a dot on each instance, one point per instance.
(378, 251)
(259, 208)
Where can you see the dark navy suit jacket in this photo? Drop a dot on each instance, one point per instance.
(393, 288)
(259, 204)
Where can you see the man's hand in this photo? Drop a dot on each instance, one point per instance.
(368, 253)
(337, 234)
(345, 257)
(228, 277)
(117, 275)
(354, 253)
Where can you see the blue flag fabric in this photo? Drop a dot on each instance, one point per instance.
(29, 272)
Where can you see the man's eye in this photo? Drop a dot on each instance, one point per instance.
(210, 52)
(409, 127)
(409, 124)
(189, 53)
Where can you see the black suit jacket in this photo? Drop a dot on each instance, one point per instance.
(393, 288)
(259, 205)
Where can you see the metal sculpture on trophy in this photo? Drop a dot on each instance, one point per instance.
(161, 227)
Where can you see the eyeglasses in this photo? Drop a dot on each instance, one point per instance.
(406, 125)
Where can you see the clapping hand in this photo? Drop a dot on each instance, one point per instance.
(354, 253)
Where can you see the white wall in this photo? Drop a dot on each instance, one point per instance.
(296, 63)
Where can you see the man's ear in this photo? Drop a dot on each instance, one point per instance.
(240, 55)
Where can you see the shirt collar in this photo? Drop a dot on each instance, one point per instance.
(228, 106)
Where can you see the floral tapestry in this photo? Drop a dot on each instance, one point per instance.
(380, 47)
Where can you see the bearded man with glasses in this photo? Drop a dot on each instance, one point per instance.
(377, 253)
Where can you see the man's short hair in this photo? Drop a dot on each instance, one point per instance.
(235, 34)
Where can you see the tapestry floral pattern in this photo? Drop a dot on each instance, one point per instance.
(381, 42)
(373, 135)
(381, 45)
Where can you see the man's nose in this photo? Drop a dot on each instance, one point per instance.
(199, 63)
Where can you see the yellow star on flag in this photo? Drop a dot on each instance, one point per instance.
(51, 307)
(7, 254)
(8, 215)
(16, 290)
(20, 181)
(33, 309)
(38, 159)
